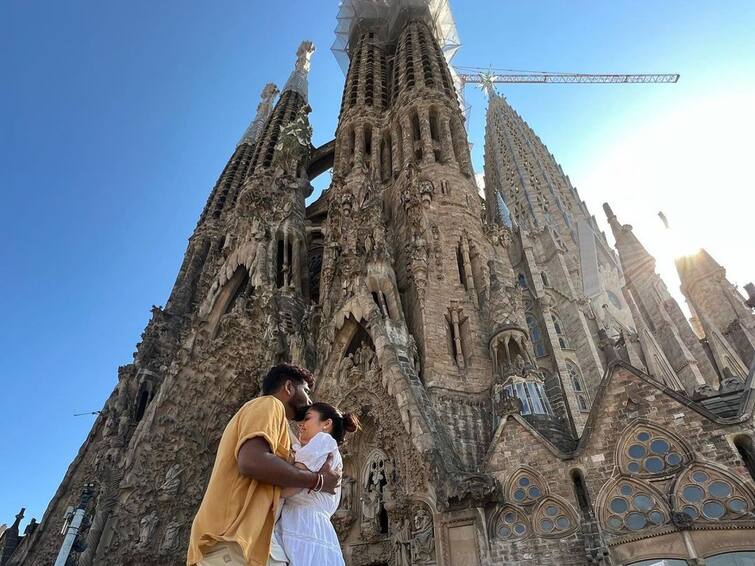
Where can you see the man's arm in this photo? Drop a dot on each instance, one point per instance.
(257, 461)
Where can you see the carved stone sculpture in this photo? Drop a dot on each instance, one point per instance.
(169, 488)
(423, 541)
(147, 526)
(170, 538)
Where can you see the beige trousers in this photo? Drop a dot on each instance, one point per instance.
(229, 554)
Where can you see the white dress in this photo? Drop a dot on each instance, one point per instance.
(304, 527)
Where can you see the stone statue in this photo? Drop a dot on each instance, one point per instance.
(402, 541)
(170, 538)
(169, 488)
(371, 502)
(423, 542)
(345, 367)
(519, 364)
(347, 493)
(146, 528)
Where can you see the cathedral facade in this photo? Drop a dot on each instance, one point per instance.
(529, 394)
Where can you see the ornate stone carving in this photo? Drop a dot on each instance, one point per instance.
(170, 538)
(423, 537)
(147, 526)
(169, 488)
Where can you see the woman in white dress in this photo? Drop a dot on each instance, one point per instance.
(304, 526)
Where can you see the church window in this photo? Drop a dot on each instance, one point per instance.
(559, 327)
(633, 506)
(241, 287)
(580, 493)
(416, 137)
(283, 263)
(575, 377)
(352, 146)
(526, 487)
(435, 134)
(460, 265)
(141, 404)
(704, 493)
(367, 145)
(554, 518)
(744, 446)
(315, 269)
(544, 277)
(434, 129)
(531, 394)
(522, 280)
(648, 452)
(511, 524)
(536, 335)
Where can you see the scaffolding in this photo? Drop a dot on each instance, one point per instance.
(385, 16)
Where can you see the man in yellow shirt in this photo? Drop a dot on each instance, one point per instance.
(234, 523)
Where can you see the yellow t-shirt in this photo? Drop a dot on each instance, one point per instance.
(236, 507)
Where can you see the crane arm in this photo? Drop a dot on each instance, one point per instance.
(563, 78)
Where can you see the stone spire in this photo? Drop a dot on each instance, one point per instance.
(10, 538)
(634, 257)
(715, 298)
(660, 310)
(291, 107)
(521, 167)
(298, 81)
(264, 109)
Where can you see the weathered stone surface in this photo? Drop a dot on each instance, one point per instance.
(504, 408)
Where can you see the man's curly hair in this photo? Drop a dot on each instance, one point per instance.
(279, 374)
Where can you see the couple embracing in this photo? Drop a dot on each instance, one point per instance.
(272, 492)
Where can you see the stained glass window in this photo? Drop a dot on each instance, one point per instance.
(633, 507)
(707, 494)
(536, 335)
(648, 452)
(554, 518)
(580, 392)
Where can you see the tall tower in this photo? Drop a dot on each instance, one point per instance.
(237, 307)
(660, 311)
(714, 298)
(570, 278)
(496, 353)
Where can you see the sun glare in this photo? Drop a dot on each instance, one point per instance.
(693, 165)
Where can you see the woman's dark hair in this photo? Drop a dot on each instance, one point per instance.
(279, 374)
(342, 422)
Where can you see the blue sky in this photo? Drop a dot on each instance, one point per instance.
(117, 118)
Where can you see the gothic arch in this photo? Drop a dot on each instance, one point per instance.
(628, 505)
(708, 492)
(225, 298)
(525, 486)
(248, 262)
(554, 517)
(646, 450)
(382, 287)
(509, 523)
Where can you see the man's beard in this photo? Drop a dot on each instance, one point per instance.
(300, 412)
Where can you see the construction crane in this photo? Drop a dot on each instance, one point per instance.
(489, 76)
(486, 78)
